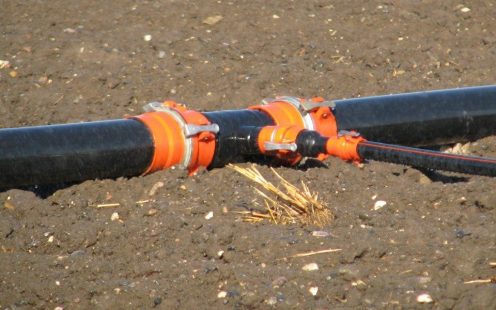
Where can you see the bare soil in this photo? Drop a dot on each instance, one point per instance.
(73, 61)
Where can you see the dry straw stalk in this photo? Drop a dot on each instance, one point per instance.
(287, 205)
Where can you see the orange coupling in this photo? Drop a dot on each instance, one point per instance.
(311, 114)
(345, 146)
(181, 137)
(280, 141)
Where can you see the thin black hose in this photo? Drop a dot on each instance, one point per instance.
(421, 158)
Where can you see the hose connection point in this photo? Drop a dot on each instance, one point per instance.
(187, 135)
(280, 141)
(345, 146)
(311, 114)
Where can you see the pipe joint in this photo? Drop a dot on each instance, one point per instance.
(280, 141)
(345, 146)
(312, 114)
(183, 137)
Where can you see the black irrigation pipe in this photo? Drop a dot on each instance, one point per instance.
(171, 135)
(422, 118)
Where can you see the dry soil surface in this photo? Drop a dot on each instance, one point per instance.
(73, 61)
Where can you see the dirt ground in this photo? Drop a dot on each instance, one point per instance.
(73, 61)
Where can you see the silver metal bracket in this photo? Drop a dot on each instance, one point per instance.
(291, 100)
(192, 129)
(266, 101)
(155, 106)
(348, 133)
(271, 146)
(309, 105)
(189, 129)
(303, 106)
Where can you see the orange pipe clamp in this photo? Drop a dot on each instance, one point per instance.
(181, 136)
(312, 114)
(168, 140)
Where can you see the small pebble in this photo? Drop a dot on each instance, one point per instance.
(8, 205)
(310, 267)
(58, 308)
(424, 298)
(114, 216)
(272, 300)
(280, 297)
(50, 239)
(465, 10)
(13, 74)
(147, 37)
(209, 215)
(161, 54)
(379, 204)
(320, 233)
(233, 293)
(359, 284)
(152, 212)
(4, 64)
(348, 272)
(78, 253)
(313, 290)
(157, 301)
(222, 294)
(212, 20)
(275, 16)
(460, 233)
(43, 79)
(279, 281)
(220, 254)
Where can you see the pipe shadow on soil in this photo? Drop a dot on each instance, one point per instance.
(42, 191)
(45, 191)
(436, 176)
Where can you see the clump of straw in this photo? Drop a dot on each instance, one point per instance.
(287, 206)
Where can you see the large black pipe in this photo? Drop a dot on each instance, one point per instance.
(73, 152)
(421, 118)
(110, 149)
